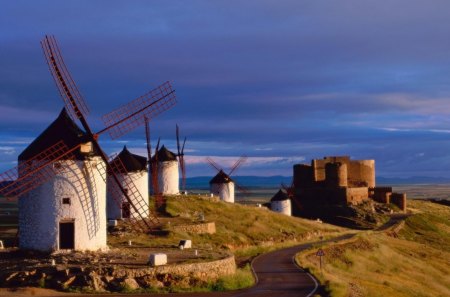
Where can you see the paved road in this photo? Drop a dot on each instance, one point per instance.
(277, 275)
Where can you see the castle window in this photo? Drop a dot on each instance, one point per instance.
(66, 201)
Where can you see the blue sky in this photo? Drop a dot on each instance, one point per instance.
(280, 81)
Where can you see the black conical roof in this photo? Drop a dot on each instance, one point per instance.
(131, 162)
(165, 155)
(63, 128)
(221, 178)
(281, 195)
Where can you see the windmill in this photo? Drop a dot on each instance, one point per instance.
(136, 170)
(43, 166)
(180, 150)
(222, 184)
(281, 201)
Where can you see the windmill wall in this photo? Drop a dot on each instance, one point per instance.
(43, 209)
(168, 178)
(225, 191)
(140, 180)
(282, 206)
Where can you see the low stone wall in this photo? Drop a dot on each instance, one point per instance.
(201, 228)
(210, 270)
(112, 279)
(399, 199)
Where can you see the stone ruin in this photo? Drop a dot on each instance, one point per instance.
(337, 180)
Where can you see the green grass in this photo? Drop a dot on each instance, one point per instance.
(414, 262)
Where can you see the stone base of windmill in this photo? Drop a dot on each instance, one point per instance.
(120, 268)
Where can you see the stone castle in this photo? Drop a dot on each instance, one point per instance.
(341, 181)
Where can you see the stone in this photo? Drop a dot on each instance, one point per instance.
(157, 259)
(149, 281)
(130, 284)
(68, 282)
(185, 243)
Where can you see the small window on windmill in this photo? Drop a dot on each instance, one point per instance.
(66, 200)
(86, 148)
(57, 165)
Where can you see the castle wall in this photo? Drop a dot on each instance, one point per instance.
(356, 195)
(399, 200)
(140, 180)
(303, 176)
(361, 173)
(335, 175)
(42, 209)
(225, 191)
(381, 194)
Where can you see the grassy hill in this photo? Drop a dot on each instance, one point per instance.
(243, 230)
(410, 261)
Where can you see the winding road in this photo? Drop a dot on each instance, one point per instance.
(276, 274)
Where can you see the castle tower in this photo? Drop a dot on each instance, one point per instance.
(281, 203)
(168, 176)
(69, 210)
(136, 171)
(336, 175)
(223, 186)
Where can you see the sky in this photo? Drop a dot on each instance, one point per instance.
(282, 82)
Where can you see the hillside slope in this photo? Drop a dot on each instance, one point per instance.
(410, 261)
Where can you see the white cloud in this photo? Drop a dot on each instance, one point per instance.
(229, 161)
(7, 150)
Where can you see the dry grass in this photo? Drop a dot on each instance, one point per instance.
(416, 262)
(243, 230)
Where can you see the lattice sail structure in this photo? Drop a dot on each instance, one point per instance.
(35, 171)
(126, 118)
(66, 86)
(138, 202)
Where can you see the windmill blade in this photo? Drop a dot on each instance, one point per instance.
(149, 144)
(213, 164)
(241, 189)
(178, 140)
(68, 90)
(183, 172)
(238, 163)
(126, 118)
(32, 173)
(114, 166)
(182, 148)
(157, 148)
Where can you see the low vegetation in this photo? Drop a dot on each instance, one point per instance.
(244, 230)
(410, 261)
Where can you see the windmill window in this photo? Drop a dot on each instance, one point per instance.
(57, 165)
(66, 201)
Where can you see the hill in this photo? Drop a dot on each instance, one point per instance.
(409, 260)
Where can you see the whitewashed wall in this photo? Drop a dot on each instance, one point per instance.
(168, 178)
(140, 180)
(225, 191)
(41, 209)
(283, 206)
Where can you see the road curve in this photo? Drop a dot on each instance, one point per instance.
(276, 273)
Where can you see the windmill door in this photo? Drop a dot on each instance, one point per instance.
(66, 235)
(126, 210)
